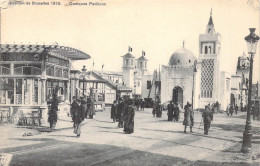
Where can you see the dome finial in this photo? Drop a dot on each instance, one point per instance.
(211, 12)
(183, 44)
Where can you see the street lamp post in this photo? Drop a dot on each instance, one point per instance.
(84, 74)
(251, 40)
(194, 71)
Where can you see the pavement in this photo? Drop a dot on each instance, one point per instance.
(155, 141)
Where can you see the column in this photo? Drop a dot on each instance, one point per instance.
(43, 91)
(39, 92)
(11, 69)
(68, 90)
(14, 90)
(22, 91)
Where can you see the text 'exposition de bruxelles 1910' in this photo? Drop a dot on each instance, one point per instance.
(57, 3)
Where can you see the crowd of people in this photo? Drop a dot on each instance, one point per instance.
(123, 112)
(255, 110)
(80, 109)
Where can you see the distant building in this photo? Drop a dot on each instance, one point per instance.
(204, 83)
(135, 74)
(31, 74)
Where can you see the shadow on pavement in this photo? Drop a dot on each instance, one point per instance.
(95, 154)
(194, 133)
(236, 128)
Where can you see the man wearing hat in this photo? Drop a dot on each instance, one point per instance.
(207, 118)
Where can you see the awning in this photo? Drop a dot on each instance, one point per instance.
(67, 52)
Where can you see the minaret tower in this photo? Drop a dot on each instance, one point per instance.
(209, 52)
(142, 64)
(128, 68)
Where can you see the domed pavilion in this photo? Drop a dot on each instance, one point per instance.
(179, 78)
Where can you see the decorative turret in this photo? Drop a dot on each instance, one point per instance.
(142, 62)
(243, 62)
(128, 60)
(210, 26)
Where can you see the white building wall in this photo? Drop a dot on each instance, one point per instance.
(177, 77)
(145, 91)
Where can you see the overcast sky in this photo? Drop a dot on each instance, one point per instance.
(157, 27)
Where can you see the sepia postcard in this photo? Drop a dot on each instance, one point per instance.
(129, 82)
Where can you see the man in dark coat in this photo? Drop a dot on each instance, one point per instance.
(114, 111)
(217, 106)
(74, 107)
(231, 110)
(207, 118)
(158, 110)
(142, 105)
(188, 117)
(154, 108)
(91, 109)
(176, 112)
(53, 111)
(129, 118)
(79, 115)
(170, 108)
(236, 109)
(120, 113)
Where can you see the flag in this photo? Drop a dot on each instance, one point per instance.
(102, 66)
(143, 53)
(93, 63)
(130, 49)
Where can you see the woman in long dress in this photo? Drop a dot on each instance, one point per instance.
(114, 111)
(129, 118)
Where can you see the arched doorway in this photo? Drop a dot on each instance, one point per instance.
(177, 96)
(232, 99)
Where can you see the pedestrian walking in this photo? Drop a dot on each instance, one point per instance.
(91, 108)
(120, 113)
(207, 118)
(129, 118)
(154, 108)
(231, 110)
(170, 108)
(217, 106)
(159, 110)
(114, 111)
(83, 105)
(188, 117)
(236, 109)
(142, 105)
(79, 115)
(228, 109)
(53, 111)
(176, 112)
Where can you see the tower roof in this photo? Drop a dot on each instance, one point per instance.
(142, 58)
(210, 19)
(128, 55)
(182, 56)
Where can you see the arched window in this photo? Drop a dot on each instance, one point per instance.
(49, 70)
(206, 50)
(209, 49)
(25, 69)
(4, 69)
(189, 61)
(209, 30)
